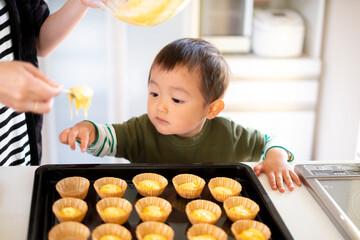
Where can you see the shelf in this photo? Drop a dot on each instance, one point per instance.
(253, 67)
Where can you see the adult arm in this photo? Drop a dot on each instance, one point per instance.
(59, 24)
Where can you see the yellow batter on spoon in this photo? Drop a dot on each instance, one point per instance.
(82, 96)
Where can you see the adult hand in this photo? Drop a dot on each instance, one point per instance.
(25, 89)
(90, 3)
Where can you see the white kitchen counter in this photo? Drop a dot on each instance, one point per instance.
(301, 213)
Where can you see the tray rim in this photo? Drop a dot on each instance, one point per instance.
(262, 193)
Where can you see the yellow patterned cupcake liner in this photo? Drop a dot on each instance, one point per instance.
(150, 176)
(204, 205)
(244, 202)
(76, 187)
(241, 225)
(110, 180)
(69, 230)
(116, 202)
(206, 229)
(75, 203)
(188, 178)
(111, 229)
(225, 182)
(150, 227)
(163, 204)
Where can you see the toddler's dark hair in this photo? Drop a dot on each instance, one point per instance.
(197, 54)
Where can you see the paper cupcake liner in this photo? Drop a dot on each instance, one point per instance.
(206, 229)
(164, 205)
(202, 204)
(154, 228)
(110, 180)
(240, 201)
(188, 178)
(76, 187)
(114, 202)
(150, 176)
(224, 182)
(111, 229)
(242, 225)
(69, 230)
(69, 202)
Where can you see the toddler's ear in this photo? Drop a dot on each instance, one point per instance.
(215, 108)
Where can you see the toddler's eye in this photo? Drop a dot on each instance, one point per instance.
(177, 100)
(154, 94)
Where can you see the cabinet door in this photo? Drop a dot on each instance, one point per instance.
(286, 108)
(271, 95)
(295, 128)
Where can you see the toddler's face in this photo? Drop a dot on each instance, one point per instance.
(175, 103)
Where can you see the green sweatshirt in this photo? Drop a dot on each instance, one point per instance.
(220, 140)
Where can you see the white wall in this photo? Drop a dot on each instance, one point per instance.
(114, 59)
(339, 110)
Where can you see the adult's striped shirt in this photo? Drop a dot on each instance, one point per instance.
(14, 139)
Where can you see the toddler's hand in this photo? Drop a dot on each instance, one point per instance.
(278, 170)
(84, 132)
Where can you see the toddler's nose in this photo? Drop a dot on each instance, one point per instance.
(162, 107)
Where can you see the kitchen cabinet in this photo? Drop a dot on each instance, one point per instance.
(277, 95)
(280, 95)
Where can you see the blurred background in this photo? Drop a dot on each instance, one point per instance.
(294, 64)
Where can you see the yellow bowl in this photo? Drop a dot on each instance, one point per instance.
(145, 12)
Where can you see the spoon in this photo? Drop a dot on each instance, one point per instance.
(69, 92)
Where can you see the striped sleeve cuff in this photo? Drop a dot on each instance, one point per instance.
(105, 144)
(272, 141)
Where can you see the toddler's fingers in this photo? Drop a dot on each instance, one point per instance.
(72, 138)
(84, 140)
(258, 169)
(63, 136)
(295, 178)
(287, 180)
(271, 179)
(280, 182)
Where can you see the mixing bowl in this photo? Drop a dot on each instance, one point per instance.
(143, 12)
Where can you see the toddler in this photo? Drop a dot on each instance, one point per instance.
(186, 84)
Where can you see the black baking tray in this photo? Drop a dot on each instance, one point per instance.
(44, 195)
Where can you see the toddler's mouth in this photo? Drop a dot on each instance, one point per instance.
(161, 121)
